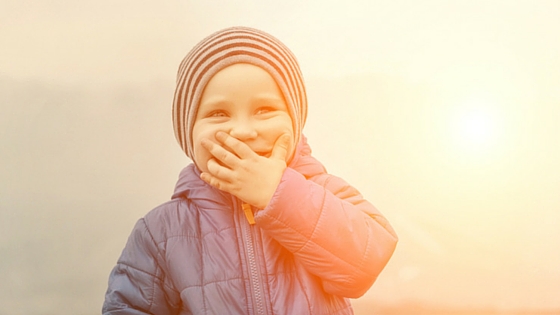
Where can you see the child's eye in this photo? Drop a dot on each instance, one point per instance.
(217, 113)
(264, 110)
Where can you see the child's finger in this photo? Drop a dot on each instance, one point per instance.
(280, 150)
(215, 182)
(219, 171)
(238, 147)
(219, 153)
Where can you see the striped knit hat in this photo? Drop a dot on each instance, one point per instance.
(224, 48)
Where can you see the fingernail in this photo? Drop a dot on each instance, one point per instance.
(204, 177)
(205, 143)
(220, 135)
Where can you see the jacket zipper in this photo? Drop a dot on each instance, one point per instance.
(255, 279)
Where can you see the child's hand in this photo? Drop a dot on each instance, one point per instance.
(238, 170)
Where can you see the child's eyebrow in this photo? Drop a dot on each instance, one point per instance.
(267, 98)
(215, 102)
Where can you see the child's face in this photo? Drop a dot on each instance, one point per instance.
(244, 101)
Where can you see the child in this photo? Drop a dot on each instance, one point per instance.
(256, 225)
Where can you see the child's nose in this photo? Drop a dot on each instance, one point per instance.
(243, 131)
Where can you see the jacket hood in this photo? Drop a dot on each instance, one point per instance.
(191, 186)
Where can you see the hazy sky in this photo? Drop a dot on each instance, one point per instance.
(445, 114)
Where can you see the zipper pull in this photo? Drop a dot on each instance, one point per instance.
(248, 213)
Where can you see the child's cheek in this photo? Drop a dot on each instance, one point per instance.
(202, 155)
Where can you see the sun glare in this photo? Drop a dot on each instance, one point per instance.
(477, 125)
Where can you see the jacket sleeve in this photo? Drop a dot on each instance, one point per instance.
(136, 283)
(335, 233)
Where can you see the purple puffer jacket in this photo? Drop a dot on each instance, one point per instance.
(315, 245)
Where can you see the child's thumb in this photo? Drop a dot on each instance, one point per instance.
(280, 150)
